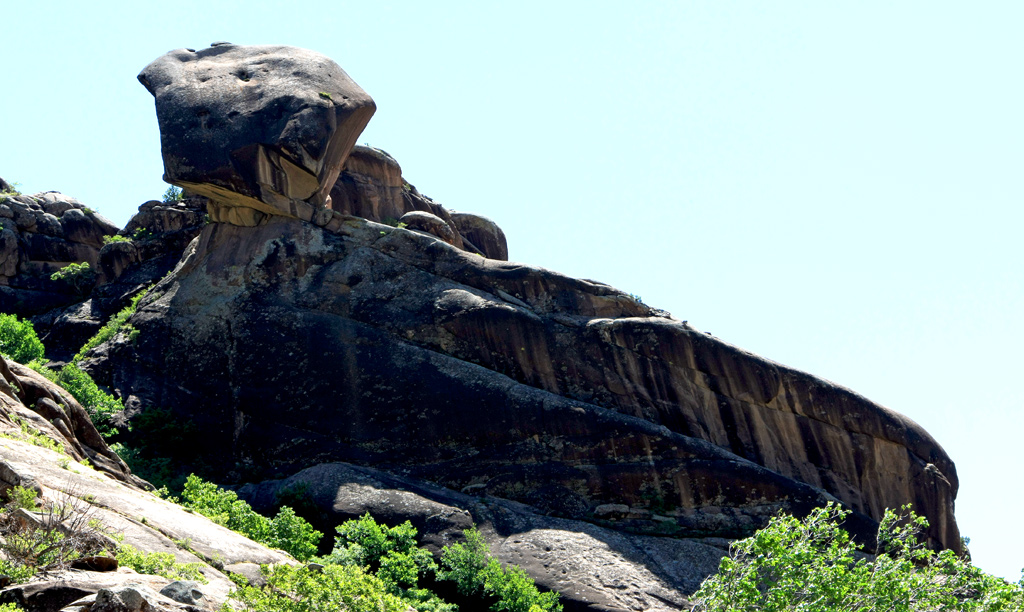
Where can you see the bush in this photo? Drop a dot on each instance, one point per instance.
(116, 238)
(811, 565)
(336, 587)
(100, 405)
(79, 276)
(112, 327)
(18, 339)
(286, 531)
(58, 533)
(160, 564)
(475, 572)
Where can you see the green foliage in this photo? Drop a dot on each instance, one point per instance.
(79, 276)
(18, 339)
(173, 194)
(141, 234)
(286, 531)
(22, 497)
(58, 533)
(112, 327)
(100, 405)
(810, 565)
(336, 587)
(475, 572)
(160, 564)
(325, 95)
(116, 238)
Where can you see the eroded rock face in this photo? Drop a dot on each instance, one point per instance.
(291, 344)
(265, 129)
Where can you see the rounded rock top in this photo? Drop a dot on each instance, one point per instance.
(260, 126)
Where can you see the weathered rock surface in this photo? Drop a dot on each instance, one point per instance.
(371, 186)
(262, 128)
(526, 384)
(482, 233)
(594, 567)
(40, 234)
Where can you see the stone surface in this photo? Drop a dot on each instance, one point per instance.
(428, 223)
(482, 233)
(516, 380)
(260, 127)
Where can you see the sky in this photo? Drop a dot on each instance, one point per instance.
(836, 186)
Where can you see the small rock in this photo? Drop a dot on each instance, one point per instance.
(431, 224)
(183, 591)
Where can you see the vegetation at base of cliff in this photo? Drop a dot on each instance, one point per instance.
(810, 564)
(18, 339)
(376, 567)
(287, 531)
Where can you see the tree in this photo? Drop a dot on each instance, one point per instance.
(813, 565)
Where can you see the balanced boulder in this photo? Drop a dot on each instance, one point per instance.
(265, 129)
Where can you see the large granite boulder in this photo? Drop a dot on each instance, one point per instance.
(265, 129)
(290, 344)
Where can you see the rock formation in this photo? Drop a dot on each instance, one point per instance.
(330, 326)
(40, 234)
(260, 130)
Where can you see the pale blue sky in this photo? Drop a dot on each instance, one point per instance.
(835, 186)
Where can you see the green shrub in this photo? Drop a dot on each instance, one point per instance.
(336, 587)
(810, 564)
(173, 194)
(110, 329)
(286, 531)
(18, 339)
(475, 572)
(100, 405)
(78, 276)
(22, 497)
(159, 564)
(116, 238)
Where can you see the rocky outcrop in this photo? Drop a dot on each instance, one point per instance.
(372, 187)
(40, 234)
(31, 406)
(260, 130)
(468, 372)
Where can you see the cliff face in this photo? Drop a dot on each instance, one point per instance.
(293, 345)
